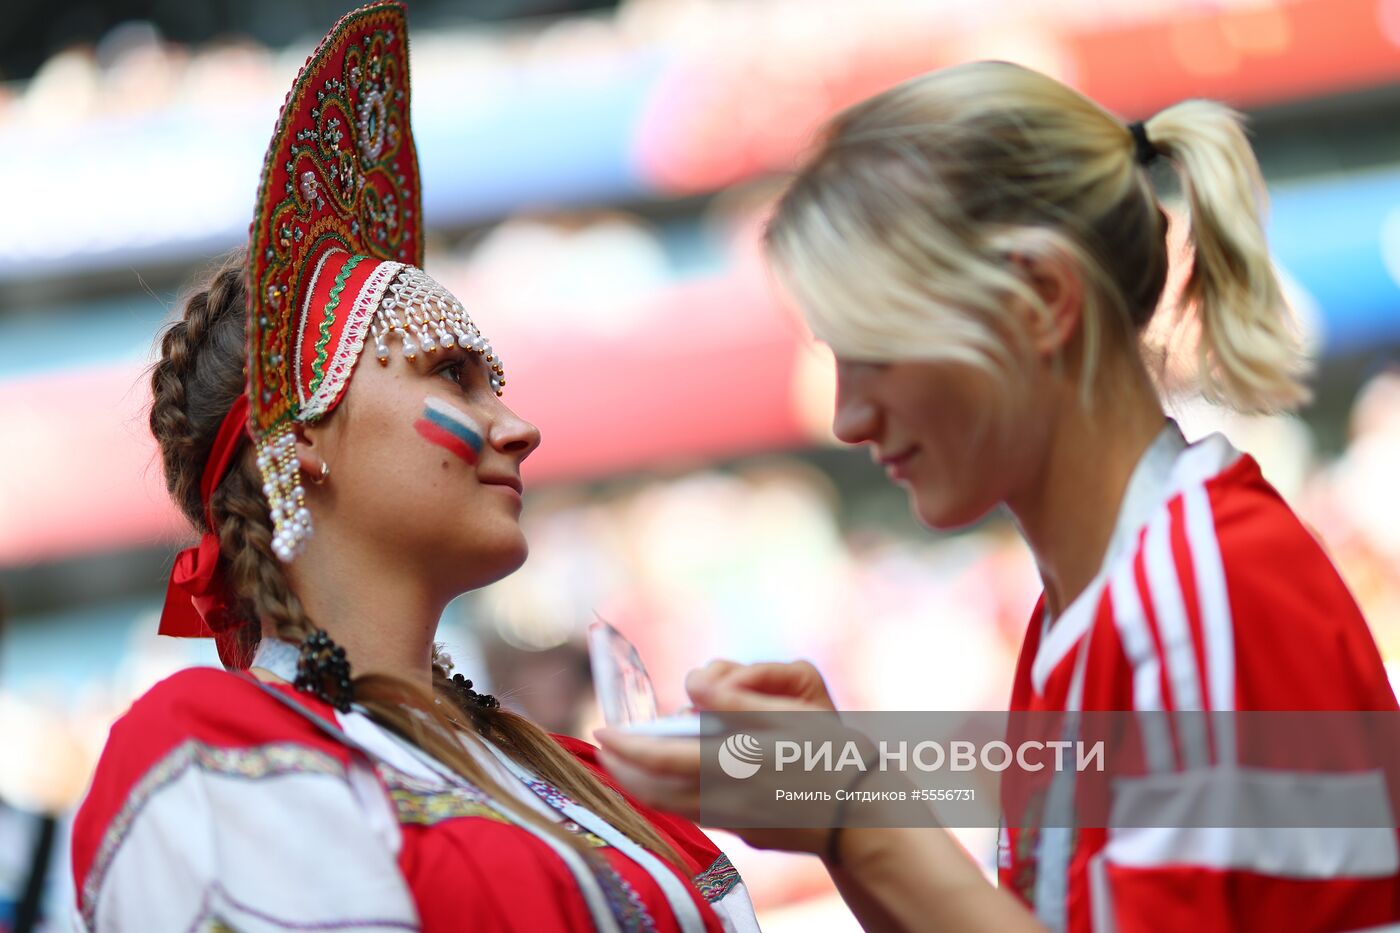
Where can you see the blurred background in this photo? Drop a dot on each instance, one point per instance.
(595, 176)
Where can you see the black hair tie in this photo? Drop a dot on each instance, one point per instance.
(1145, 153)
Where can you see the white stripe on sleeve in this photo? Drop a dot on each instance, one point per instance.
(1217, 623)
(1169, 609)
(1147, 671)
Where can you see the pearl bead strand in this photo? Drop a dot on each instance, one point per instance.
(426, 316)
(286, 497)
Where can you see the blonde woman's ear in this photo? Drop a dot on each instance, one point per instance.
(1051, 321)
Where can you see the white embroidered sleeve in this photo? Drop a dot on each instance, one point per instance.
(735, 910)
(270, 838)
(721, 886)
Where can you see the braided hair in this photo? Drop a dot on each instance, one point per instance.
(194, 384)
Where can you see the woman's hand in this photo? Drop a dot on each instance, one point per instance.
(665, 772)
(726, 686)
(897, 879)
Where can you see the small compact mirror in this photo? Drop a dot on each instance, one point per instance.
(624, 688)
(620, 679)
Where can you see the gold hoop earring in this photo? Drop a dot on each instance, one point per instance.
(325, 474)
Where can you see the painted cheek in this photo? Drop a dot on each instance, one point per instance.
(445, 439)
(451, 429)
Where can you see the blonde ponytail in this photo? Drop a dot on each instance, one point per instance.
(1250, 355)
(894, 236)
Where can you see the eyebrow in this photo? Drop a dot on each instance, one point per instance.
(457, 354)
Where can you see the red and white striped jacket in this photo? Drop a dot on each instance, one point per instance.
(1213, 597)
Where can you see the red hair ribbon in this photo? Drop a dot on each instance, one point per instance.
(197, 598)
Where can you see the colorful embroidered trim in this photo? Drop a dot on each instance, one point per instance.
(260, 761)
(627, 906)
(550, 794)
(718, 880)
(352, 341)
(451, 428)
(426, 803)
(557, 799)
(304, 316)
(422, 804)
(419, 809)
(672, 887)
(318, 365)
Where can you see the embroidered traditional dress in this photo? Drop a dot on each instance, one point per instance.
(224, 803)
(217, 806)
(1212, 597)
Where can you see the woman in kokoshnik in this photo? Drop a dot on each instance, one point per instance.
(345, 779)
(982, 249)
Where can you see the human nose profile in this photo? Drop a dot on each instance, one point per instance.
(513, 435)
(856, 419)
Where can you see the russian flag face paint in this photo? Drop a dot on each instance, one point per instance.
(450, 428)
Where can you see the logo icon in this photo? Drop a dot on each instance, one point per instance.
(740, 756)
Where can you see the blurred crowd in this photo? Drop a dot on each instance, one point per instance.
(133, 71)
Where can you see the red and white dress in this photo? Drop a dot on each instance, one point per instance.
(1212, 597)
(219, 803)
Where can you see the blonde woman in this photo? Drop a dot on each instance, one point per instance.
(982, 249)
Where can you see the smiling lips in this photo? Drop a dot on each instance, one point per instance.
(897, 466)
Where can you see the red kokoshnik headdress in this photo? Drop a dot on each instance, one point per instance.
(333, 257)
